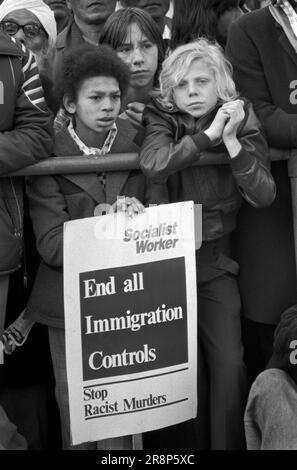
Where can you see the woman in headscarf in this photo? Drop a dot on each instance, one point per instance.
(33, 23)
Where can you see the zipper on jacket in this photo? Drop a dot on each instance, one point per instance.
(25, 276)
(18, 232)
(17, 202)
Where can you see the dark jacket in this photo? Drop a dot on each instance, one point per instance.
(55, 200)
(25, 137)
(174, 142)
(265, 66)
(70, 38)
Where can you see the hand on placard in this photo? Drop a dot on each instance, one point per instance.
(131, 205)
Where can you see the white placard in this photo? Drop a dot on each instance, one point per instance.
(131, 321)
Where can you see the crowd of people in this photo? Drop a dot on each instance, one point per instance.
(82, 77)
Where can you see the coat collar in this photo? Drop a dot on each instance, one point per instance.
(124, 143)
(65, 146)
(285, 43)
(71, 36)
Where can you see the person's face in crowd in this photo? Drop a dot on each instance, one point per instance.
(156, 8)
(59, 8)
(92, 11)
(141, 55)
(33, 36)
(97, 106)
(196, 94)
(225, 21)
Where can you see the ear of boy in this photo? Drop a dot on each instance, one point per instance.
(69, 105)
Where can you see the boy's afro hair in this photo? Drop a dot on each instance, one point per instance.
(89, 61)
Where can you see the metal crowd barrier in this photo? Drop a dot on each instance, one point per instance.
(122, 161)
(118, 162)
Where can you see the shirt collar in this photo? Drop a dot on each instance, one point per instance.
(93, 150)
(166, 32)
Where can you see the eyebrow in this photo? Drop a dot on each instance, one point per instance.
(21, 22)
(139, 42)
(103, 92)
(185, 78)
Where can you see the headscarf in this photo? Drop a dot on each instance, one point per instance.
(39, 9)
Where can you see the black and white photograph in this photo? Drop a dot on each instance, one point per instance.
(148, 229)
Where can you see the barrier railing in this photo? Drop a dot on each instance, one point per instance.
(118, 162)
(121, 162)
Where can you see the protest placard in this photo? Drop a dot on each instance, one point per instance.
(131, 321)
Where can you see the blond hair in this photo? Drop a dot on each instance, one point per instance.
(176, 67)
